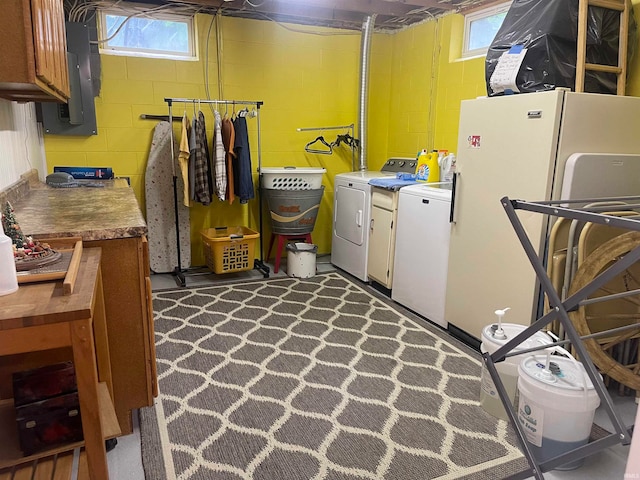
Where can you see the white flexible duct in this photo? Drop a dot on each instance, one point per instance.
(365, 52)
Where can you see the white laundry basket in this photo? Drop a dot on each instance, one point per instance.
(301, 259)
(292, 178)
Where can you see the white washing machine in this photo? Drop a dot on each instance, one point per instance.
(422, 249)
(352, 215)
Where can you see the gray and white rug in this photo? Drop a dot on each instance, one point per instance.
(313, 379)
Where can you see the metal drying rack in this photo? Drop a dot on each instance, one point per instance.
(559, 311)
(178, 271)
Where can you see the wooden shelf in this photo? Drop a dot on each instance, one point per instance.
(10, 453)
(44, 468)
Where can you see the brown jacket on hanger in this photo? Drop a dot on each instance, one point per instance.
(229, 140)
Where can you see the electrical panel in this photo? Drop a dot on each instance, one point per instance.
(78, 116)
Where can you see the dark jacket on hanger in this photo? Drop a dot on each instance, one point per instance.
(243, 177)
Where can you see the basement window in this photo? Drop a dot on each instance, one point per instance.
(134, 32)
(480, 28)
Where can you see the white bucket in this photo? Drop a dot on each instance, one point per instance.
(508, 369)
(301, 259)
(556, 410)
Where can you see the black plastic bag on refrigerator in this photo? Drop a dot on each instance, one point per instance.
(548, 29)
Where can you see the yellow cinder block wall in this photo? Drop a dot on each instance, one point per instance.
(428, 81)
(412, 66)
(304, 80)
(417, 81)
(417, 84)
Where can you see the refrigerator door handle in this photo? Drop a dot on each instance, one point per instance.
(455, 180)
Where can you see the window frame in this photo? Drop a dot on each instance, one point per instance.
(105, 48)
(475, 16)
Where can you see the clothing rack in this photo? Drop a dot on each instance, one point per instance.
(258, 264)
(165, 118)
(351, 127)
(559, 311)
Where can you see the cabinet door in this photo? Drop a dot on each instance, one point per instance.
(42, 40)
(153, 372)
(61, 82)
(379, 264)
(129, 329)
(50, 45)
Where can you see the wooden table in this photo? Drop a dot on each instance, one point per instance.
(108, 218)
(40, 318)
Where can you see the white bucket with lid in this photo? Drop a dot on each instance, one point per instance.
(492, 340)
(556, 406)
(301, 259)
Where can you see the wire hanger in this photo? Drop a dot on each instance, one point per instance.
(307, 147)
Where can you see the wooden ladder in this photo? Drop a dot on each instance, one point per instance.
(622, 6)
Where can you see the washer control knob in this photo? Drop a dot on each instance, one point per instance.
(391, 162)
(401, 163)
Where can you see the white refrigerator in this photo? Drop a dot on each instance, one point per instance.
(517, 146)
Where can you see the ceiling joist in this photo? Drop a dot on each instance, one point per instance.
(349, 14)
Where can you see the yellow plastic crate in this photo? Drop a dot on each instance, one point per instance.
(229, 249)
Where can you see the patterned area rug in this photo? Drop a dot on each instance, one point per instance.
(314, 379)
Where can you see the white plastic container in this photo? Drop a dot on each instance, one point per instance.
(301, 259)
(8, 276)
(292, 178)
(492, 339)
(556, 406)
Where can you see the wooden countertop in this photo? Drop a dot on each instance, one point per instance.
(90, 213)
(45, 302)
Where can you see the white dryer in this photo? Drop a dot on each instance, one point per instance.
(352, 215)
(422, 249)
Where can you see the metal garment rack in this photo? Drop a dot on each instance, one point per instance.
(559, 311)
(351, 127)
(178, 271)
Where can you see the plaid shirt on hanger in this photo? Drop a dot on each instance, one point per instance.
(203, 187)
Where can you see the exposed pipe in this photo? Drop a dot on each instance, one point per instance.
(365, 52)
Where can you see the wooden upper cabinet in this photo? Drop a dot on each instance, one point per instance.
(33, 49)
